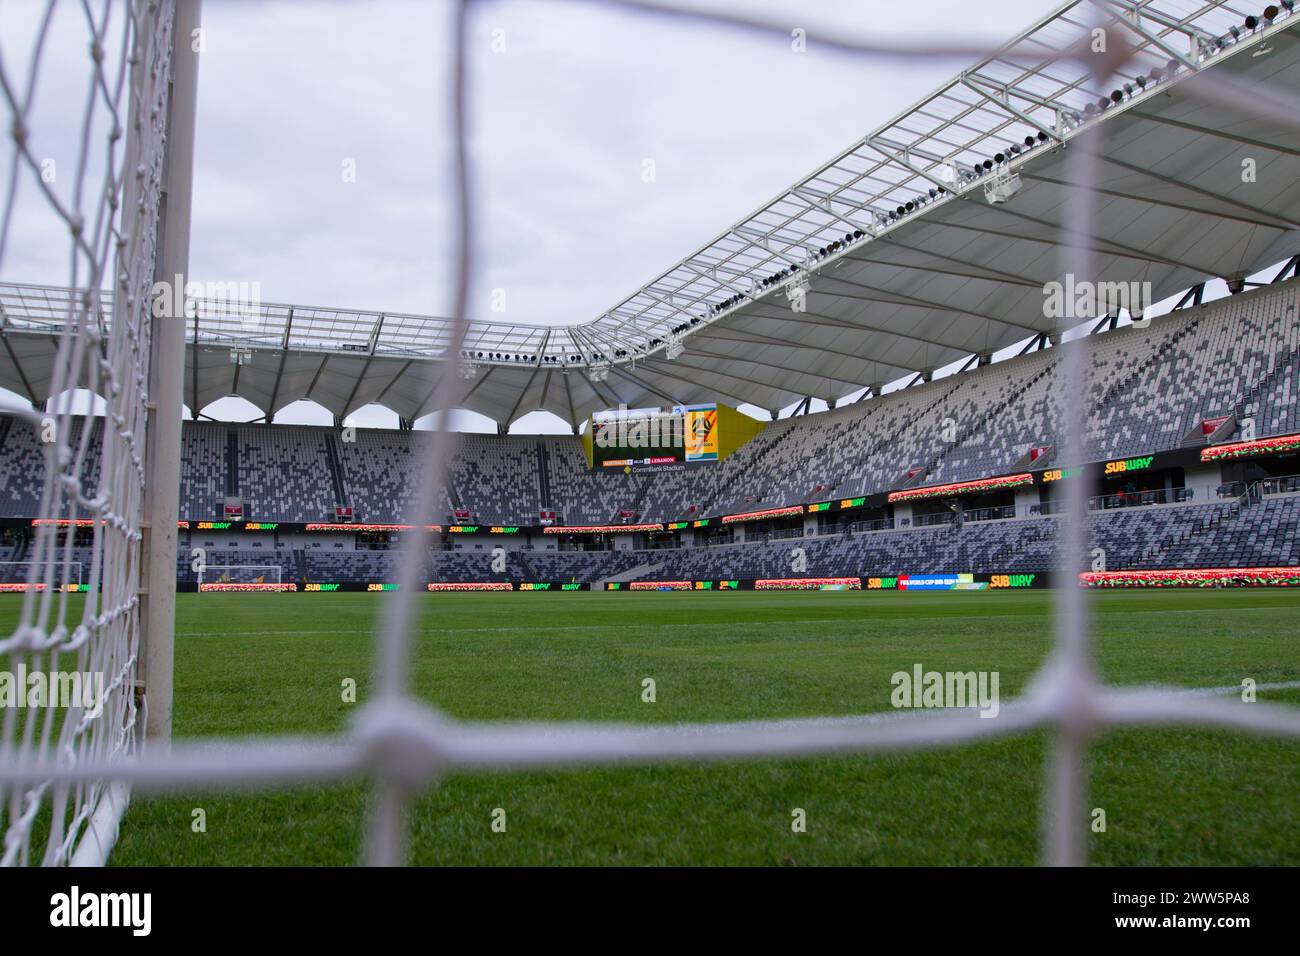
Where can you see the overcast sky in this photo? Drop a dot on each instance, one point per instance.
(569, 102)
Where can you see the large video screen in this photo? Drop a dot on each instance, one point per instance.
(686, 433)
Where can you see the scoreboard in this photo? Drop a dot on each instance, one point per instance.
(686, 433)
(679, 435)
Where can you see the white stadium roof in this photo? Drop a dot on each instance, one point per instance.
(900, 281)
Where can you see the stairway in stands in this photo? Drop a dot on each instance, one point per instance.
(734, 490)
(232, 464)
(1248, 405)
(544, 476)
(1139, 371)
(1170, 544)
(20, 549)
(631, 574)
(993, 414)
(452, 493)
(637, 502)
(902, 429)
(335, 468)
(530, 571)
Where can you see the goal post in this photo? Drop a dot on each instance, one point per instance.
(166, 383)
(96, 239)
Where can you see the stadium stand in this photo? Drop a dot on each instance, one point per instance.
(204, 468)
(1244, 532)
(1148, 389)
(282, 473)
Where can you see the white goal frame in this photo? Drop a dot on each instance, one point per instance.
(126, 223)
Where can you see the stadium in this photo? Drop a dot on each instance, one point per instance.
(1032, 345)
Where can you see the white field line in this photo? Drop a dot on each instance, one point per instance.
(718, 626)
(836, 622)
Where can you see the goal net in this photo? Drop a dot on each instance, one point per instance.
(84, 106)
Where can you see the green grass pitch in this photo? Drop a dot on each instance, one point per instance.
(273, 663)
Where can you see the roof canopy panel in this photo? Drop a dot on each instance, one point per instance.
(908, 266)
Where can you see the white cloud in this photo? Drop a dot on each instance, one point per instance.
(561, 122)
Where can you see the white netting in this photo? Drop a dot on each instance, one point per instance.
(96, 200)
(404, 744)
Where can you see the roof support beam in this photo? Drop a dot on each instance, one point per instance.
(1217, 133)
(994, 275)
(1020, 93)
(1292, 265)
(1150, 201)
(18, 367)
(1142, 8)
(370, 357)
(1124, 250)
(821, 201)
(1131, 14)
(604, 396)
(1192, 295)
(546, 388)
(910, 302)
(522, 393)
(573, 416)
(400, 372)
(1058, 243)
(780, 368)
(815, 318)
(694, 383)
(13, 356)
(279, 372)
(902, 156)
(1187, 187)
(672, 399)
(316, 378)
(935, 270)
(1002, 102)
(717, 373)
(764, 240)
(712, 274)
(479, 380)
(194, 384)
(831, 322)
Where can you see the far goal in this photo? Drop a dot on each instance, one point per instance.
(243, 577)
(17, 576)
